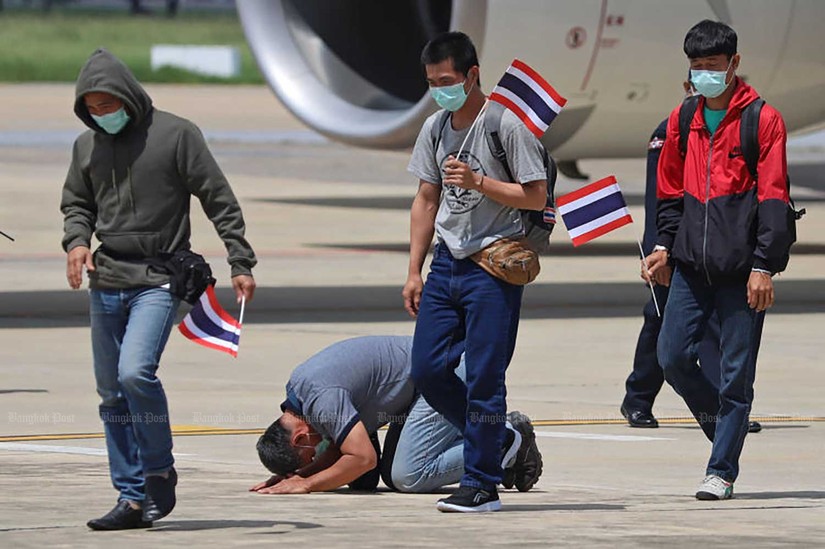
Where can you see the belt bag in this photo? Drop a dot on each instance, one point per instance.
(511, 260)
(189, 274)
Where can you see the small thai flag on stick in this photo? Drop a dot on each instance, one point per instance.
(594, 210)
(529, 96)
(208, 324)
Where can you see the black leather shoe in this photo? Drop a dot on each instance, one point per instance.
(639, 418)
(122, 517)
(160, 496)
(754, 426)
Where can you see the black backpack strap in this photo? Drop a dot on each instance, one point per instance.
(749, 135)
(492, 127)
(686, 113)
(552, 174)
(437, 129)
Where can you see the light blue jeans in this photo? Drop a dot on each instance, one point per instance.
(430, 451)
(129, 332)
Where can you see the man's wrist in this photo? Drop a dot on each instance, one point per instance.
(660, 248)
(762, 271)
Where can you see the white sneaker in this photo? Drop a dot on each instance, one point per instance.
(713, 488)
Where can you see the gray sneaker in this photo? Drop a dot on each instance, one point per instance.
(528, 465)
(714, 488)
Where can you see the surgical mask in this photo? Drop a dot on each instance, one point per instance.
(319, 448)
(450, 98)
(710, 83)
(113, 122)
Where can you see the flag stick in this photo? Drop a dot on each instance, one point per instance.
(652, 292)
(243, 306)
(7, 236)
(473, 125)
(240, 323)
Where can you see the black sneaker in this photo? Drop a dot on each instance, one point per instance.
(528, 465)
(160, 496)
(470, 500)
(512, 443)
(121, 517)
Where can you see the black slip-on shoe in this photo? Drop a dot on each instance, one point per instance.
(121, 517)
(639, 418)
(754, 426)
(160, 496)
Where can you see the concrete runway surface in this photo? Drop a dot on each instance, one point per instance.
(330, 226)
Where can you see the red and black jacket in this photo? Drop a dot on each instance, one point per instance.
(713, 216)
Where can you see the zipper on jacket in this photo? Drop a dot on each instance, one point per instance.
(707, 208)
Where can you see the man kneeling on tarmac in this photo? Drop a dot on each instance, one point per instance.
(335, 403)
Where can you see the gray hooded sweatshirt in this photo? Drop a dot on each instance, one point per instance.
(133, 189)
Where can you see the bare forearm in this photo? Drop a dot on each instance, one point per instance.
(343, 471)
(324, 461)
(529, 196)
(422, 228)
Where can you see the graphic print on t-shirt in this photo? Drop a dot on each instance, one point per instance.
(463, 200)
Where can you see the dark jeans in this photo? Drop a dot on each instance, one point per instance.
(464, 309)
(647, 378)
(722, 413)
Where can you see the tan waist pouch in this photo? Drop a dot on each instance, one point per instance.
(511, 260)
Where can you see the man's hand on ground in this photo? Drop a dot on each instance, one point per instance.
(292, 485)
(271, 481)
(76, 259)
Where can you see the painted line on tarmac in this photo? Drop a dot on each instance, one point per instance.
(592, 436)
(47, 449)
(205, 430)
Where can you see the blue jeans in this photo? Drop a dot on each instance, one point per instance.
(464, 309)
(430, 451)
(646, 379)
(722, 413)
(129, 331)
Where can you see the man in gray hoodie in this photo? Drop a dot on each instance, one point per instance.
(129, 183)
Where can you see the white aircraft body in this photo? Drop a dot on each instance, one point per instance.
(350, 68)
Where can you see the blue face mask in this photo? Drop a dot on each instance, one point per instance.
(450, 98)
(710, 83)
(113, 122)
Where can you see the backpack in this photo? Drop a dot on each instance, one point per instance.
(749, 142)
(538, 225)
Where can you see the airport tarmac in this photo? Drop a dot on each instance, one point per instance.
(330, 226)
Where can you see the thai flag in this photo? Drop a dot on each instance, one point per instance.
(594, 210)
(209, 325)
(529, 96)
(549, 215)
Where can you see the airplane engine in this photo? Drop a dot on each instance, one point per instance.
(350, 68)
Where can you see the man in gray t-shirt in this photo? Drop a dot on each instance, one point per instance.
(335, 403)
(469, 220)
(467, 200)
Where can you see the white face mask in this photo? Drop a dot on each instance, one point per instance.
(710, 83)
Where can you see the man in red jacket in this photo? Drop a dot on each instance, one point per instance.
(722, 235)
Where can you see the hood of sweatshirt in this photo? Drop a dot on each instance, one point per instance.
(103, 72)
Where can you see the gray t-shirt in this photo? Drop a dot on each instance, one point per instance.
(467, 220)
(363, 379)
